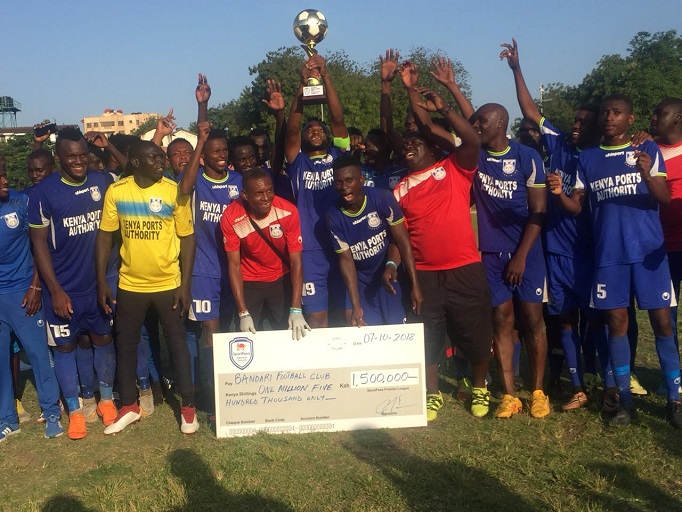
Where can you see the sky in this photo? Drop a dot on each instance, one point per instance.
(70, 59)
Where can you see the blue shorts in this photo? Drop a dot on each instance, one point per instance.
(651, 285)
(87, 317)
(322, 282)
(533, 283)
(210, 297)
(379, 307)
(569, 282)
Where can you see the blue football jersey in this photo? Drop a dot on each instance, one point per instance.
(386, 180)
(366, 233)
(16, 262)
(625, 223)
(313, 183)
(209, 200)
(562, 232)
(71, 213)
(501, 193)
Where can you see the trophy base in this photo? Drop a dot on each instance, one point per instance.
(314, 95)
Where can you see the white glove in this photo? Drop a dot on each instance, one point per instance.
(246, 324)
(298, 326)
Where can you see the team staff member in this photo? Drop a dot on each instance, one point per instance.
(262, 237)
(435, 198)
(156, 228)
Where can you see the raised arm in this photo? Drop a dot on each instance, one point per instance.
(528, 107)
(191, 170)
(336, 122)
(100, 140)
(164, 126)
(203, 94)
(445, 75)
(292, 140)
(389, 69)
(468, 151)
(275, 103)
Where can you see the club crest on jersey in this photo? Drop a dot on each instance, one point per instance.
(393, 181)
(12, 220)
(233, 191)
(438, 174)
(630, 158)
(95, 193)
(508, 166)
(241, 352)
(373, 220)
(155, 204)
(276, 231)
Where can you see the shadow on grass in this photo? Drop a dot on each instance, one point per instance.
(429, 485)
(203, 491)
(633, 493)
(64, 503)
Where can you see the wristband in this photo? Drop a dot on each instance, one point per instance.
(295, 310)
(36, 288)
(447, 109)
(389, 262)
(244, 314)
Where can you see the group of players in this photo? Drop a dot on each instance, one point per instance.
(347, 232)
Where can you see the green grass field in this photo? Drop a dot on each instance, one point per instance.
(568, 461)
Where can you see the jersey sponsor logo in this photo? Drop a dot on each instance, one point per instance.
(81, 191)
(12, 220)
(373, 220)
(233, 191)
(630, 158)
(438, 173)
(508, 166)
(393, 181)
(155, 204)
(276, 231)
(95, 193)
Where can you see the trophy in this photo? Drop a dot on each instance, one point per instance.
(310, 27)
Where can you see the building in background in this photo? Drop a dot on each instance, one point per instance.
(115, 121)
(177, 134)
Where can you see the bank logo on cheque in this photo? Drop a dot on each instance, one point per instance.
(241, 352)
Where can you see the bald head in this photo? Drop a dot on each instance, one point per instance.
(666, 121)
(491, 121)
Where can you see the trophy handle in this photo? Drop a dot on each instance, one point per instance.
(309, 48)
